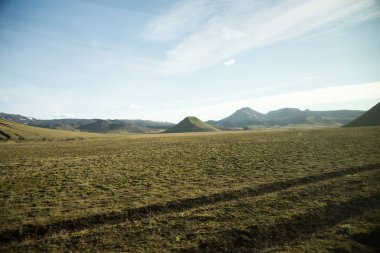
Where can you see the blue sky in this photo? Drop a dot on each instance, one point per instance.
(164, 60)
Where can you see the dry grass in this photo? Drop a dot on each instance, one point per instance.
(43, 184)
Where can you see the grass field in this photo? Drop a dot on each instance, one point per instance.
(270, 191)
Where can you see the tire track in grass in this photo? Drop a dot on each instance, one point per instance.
(76, 224)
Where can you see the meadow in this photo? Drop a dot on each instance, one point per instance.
(304, 190)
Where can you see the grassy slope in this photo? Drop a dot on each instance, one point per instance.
(81, 185)
(19, 132)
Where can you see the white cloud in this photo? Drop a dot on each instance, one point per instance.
(62, 115)
(338, 97)
(229, 62)
(211, 31)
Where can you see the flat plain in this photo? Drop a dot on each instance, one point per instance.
(304, 190)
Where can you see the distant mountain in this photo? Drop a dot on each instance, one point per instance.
(244, 116)
(247, 118)
(191, 124)
(370, 118)
(93, 125)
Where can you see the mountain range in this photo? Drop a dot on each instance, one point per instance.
(93, 125)
(248, 118)
(244, 118)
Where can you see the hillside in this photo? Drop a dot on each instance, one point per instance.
(370, 118)
(19, 132)
(246, 118)
(191, 124)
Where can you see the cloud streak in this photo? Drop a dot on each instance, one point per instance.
(209, 32)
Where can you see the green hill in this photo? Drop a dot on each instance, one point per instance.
(191, 124)
(370, 118)
(19, 132)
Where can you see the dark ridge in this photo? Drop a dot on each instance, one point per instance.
(36, 231)
(255, 238)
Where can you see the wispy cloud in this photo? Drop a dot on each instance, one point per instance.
(183, 17)
(209, 32)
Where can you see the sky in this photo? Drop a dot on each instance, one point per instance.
(165, 60)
